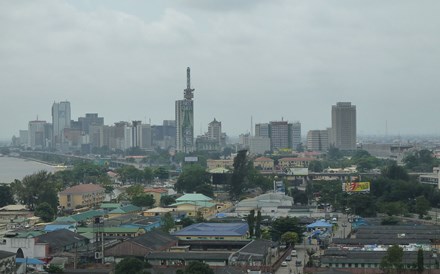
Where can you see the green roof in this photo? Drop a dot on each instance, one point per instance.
(125, 209)
(113, 229)
(80, 216)
(196, 203)
(193, 197)
(110, 205)
(30, 234)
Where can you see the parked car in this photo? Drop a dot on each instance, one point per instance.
(289, 258)
(284, 264)
(298, 263)
(293, 253)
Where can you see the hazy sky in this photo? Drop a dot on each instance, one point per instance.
(268, 59)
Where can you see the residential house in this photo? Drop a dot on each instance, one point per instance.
(152, 241)
(157, 194)
(124, 210)
(264, 164)
(84, 195)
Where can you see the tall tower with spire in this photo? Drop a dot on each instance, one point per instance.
(185, 118)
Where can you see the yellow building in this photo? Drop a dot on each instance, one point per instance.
(264, 164)
(193, 203)
(286, 163)
(84, 195)
(157, 193)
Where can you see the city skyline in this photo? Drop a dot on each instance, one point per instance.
(269, 60)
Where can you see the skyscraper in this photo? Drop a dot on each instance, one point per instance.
(296, 134)
(279, 135)
(185, 118)
(343, 132)
(215, 130)
(60, 121)
(317, 140)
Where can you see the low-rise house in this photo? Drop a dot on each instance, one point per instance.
(268, 204)
(256, 253)
(225, 163)
(214, 232)
(157, 194)
(157, 211)
(124, 210)
(114, 232)
(180, 259)
(264, 164)
(152, 241)
(289, 162)
(84, 195)
(191, 204)
(41, 245)
(80, 218)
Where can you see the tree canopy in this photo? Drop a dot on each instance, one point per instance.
(6, 195)
(192, 177)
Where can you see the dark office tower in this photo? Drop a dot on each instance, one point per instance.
(279, 135)
(262, 130)
(295, 133)
(185, 118)
(343, 126)
(60, 121)
(91, 119)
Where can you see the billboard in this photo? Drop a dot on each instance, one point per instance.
(191, 159)
(356, 187)
(298, 171)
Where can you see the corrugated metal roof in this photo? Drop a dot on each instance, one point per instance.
(214, 229)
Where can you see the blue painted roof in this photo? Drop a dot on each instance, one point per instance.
(319, 224)
(54, 227)
(29, 261)
(214, 229)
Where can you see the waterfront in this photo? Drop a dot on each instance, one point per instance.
(16, 168)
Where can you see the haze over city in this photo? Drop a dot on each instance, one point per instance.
(126, 60)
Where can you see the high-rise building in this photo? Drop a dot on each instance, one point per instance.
(91, 119)
(295, 131)
(215, 130)
(262, 130)
(185, 118)
(60, 121)
(37, 134)
(343, 131)
(317, 140)
(279, 135)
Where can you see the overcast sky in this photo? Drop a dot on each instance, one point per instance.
(270, 59)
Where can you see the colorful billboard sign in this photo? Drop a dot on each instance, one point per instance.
(356, 187)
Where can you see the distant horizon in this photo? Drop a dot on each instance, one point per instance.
(127, 60)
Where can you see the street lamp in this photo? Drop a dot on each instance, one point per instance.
(344, 225)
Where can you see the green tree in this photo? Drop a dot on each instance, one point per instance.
(148, 175)
(186, 221)
(131, 265)
(265, 234)
(421, 161)
(35, 189)
(6, 195)
(191, 177)
(167, 200)
(45, 212)
(258, 225)
(420, 261)
(161, 173)
(315, 166)
(198, 268)
(333, 154)
(286, 224)
(54, 269)
(393, 208)
(143, 200)
(395, 172)
(251, 222)
(130, 174)
(362, 204)
(239, 175)
(134, 190)
(205, 189)
(422, 206)
(167, 222)
(290, 238)
(392, 261)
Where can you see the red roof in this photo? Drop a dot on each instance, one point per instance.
(83, 188)
(297, 159)
(156, 190)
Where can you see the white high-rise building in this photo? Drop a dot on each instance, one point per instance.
(343, 132)
(215, 130)
(60, 121)
(36, 134)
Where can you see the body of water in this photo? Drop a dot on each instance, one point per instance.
(15, 168)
